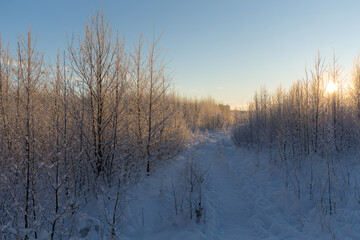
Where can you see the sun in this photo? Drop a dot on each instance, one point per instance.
(331, 87)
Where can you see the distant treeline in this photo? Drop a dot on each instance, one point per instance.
(317, 114)
(311, 130)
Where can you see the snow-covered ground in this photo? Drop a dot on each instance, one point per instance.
(243, 201)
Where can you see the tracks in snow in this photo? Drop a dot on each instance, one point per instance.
(244, 200)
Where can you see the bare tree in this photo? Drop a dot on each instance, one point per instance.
(94, 63)
(138, 85)
(31, 69)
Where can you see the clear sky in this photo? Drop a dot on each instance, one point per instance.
(225, 49)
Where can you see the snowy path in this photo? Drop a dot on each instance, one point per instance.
(244, 201)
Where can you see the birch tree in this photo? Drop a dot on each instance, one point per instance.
(94, 63)
(31, 71)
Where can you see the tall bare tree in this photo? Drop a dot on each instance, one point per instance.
(31, 71)
(94, 63)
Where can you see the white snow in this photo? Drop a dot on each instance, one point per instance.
(244, 201)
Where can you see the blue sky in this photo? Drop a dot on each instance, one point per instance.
(225, 49)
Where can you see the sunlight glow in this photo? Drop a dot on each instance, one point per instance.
(331, 87)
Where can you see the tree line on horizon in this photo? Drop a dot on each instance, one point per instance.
(313, 125)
